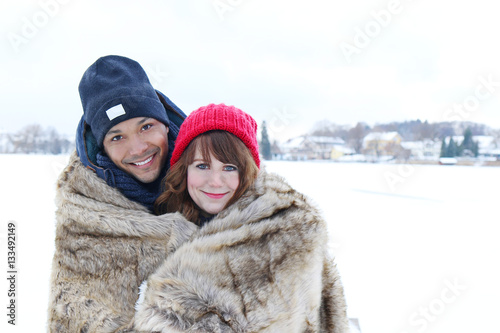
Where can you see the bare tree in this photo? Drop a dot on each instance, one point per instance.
(34, 139)
(28, 140)
(356, 135)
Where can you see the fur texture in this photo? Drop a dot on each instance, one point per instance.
(261, 265)
(106, 246)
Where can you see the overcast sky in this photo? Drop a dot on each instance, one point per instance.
(290, 63)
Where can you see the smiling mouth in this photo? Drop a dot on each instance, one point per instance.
(146, 161)
(215, 195)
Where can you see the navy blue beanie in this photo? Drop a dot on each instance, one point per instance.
(115, 89)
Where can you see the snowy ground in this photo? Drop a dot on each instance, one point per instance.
(417, 247)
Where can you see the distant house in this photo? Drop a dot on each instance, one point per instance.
(382, 143)
(423, 150)
(339, 151)
(493, 153)
(308, 147)
(488, 146)
(276, 151)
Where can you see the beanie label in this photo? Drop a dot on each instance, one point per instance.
(115, 111)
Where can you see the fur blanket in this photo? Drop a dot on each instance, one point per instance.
(106, 246)
(261, 265)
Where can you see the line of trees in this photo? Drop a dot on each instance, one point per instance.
(34, 139)
(414, 130)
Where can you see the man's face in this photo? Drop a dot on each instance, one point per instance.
(138, 146)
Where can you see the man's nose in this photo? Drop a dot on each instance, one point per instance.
(137, 145)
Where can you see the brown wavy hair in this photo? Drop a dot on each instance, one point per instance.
(225, 147)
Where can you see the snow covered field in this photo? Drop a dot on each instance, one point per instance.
(417, 246)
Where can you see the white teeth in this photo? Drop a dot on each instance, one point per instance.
(144, 162)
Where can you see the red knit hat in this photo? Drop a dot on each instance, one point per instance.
(217, 117)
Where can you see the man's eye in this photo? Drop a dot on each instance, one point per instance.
(116, 138)
(146, 127)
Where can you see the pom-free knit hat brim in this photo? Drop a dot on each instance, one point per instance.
(217, 117)
(115, 89)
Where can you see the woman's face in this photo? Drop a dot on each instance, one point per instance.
(211, 184)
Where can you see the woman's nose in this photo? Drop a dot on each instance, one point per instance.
(216, 179)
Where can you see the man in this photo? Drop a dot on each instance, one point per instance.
(107, 239)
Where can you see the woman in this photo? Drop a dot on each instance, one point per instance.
(259, 261)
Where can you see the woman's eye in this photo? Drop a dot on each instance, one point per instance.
(202, 166)
(230, 168)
